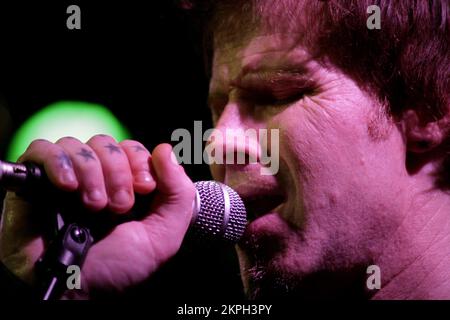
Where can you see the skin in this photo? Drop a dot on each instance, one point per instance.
(349, 199)
(343, 199)
(106, 175)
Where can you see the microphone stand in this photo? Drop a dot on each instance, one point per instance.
(71, 242)
(68, 248)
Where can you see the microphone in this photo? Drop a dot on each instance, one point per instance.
(218, 211)
(218, 215)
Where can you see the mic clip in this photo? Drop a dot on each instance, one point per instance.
(65, 253)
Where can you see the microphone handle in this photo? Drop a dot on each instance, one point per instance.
(30, 181)
(20, 177)
(71, 242)
(218, 214)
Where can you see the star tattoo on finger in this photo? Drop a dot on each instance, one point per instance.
(64, 161)
(86, 154)
(112, 148)
(138, 148)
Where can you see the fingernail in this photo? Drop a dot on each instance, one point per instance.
(95, 195)
(143, 177)
(68, 177)
(121, 196)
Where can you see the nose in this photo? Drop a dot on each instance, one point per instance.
(234, 140)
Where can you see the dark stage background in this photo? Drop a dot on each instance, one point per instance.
(141, 61)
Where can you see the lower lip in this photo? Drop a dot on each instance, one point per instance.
(265, 224)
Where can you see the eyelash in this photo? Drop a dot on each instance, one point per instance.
(266, 92)
(273, 97)
(276, 90)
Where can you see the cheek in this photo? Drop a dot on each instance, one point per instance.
(327, 151)
(316, 136)
(217, 171)
(333, 162)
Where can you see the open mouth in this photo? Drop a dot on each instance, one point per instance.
(258, 204)
(261, 194)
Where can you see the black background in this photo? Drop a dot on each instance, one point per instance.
(142, 61)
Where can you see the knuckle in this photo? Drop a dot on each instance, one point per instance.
(139, 166)
(135, 147)
(95, 199)
(37, 144)
(87, 155)
(121, 200)
(92, 184)
(60, 158)
(67, 140)
(100, 138)
(129, 142)
(38, 141)
(36, 149)
(120, 180)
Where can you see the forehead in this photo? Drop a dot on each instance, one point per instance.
(258, 52)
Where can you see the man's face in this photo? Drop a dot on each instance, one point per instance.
(339, 192)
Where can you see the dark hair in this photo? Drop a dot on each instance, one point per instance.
(405, 64)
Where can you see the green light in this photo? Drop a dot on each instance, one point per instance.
(78, 119)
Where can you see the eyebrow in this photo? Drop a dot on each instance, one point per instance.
(273, 85)
(287, 64)
(288, 76)
(269, 75)
(278, 84)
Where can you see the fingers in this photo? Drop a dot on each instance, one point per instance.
(107, 174)
(171, 178)
(56, 162)
(171, 211)
(117, 174)
(89, 172)
(140, 163)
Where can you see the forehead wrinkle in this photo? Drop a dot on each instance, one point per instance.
(263, 53)
(258, 44)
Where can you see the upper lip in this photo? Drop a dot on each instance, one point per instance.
(260, 198)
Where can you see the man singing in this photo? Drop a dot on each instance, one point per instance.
(363, 121)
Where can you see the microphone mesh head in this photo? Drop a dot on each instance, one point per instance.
(220, 213)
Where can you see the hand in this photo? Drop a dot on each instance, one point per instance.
(106, 174)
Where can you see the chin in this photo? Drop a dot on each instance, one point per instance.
(263, 256)
(277, 281)
(276, 262)
(263, 282)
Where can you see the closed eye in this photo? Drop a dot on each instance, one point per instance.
(275, 88)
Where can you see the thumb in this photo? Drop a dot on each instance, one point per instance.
(170, 176)
(171, 210)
